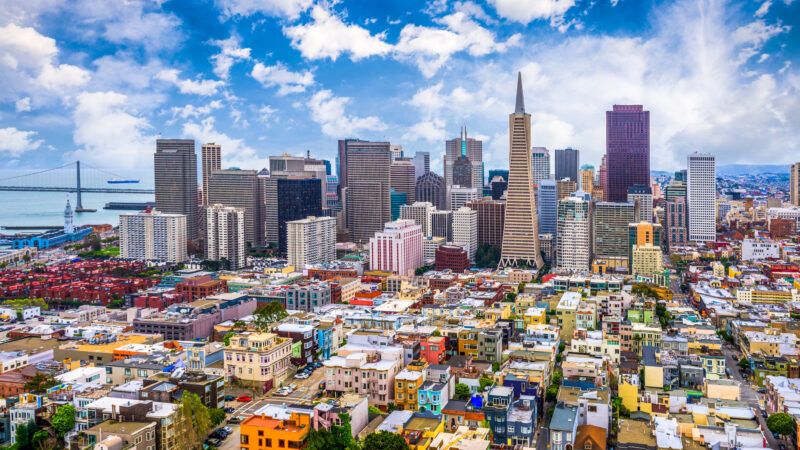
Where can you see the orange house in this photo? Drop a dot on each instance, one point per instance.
(265, 433)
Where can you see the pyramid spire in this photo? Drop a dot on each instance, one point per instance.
(520, 106)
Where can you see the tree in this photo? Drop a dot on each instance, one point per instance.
(24, 436)
(781, 423)
(374, 411)
(744, 363)
(227, 338)
(383, 440)
(552, 393)
(40, 383)
(266, 316)
(485, 381)
(487, 256)
(63, 420)
(194, 421)
(436, 333)
(462, 391)
(216, 415)
(557, 377)
(419, 271)
(337, 437)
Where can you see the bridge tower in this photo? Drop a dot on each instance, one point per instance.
(79, 204)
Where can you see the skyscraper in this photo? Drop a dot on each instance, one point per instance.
(422, 164)
(586, 174)
(642, 196)
(574, 236)
(420, 213)
(465, 230)
(239, 188)
(460, 196)
(540, 164)
(701, 197)
(520, 230)
(365, 182)
(398, 248)
(547, 207)
(627, 150)
(212, 161)
(175, 167)
(565, 187)
(152, 235)
(311, 241)
(297, 199)
(462, 172)
(403, 178)
(466, 146)
(676, 222)
(225, 235)
(610, 223)
(567, 161)
(431, 188)
(794, 184)
(491, 215)
(442, 224)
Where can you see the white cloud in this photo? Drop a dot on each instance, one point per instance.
(186, 86)
(763, 9)
(288, 82)
(426, 130)
(29, 60)
(284, 8)
(526, 11)
(110, 134)
(230, 52)
(235, 151)
(327, 36)
(23, 104)
(194, 112)
(330, 112)
(14, 142)
(265, 114)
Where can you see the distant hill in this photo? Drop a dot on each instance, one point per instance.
(751, 169)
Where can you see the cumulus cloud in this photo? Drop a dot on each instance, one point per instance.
(23, 104)
(108, 132)
(236, 152)
(327, 36)
(283, 8)
(330, 112)
(526, 11)
(288, 82)
(14, 142)
(194, 112)
(187, 86)
(230, 52)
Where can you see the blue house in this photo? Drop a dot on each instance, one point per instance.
(512, 422)
(433, 396)
(323, 334)
(563, 426)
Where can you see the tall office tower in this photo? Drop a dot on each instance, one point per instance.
(586, 175)
(466, 146)
(442, 225)
(681, 175)
(498, 187)
(311, 241)
(420, 213)
(460, 196)
(288, 165)
(540, 164)
(610, 223)
(397, 200)
(643, 234)
(567, 161)
(547, 207)
(225, 235)
(674, 190)
(565, 187)
(701, 197)
(627, 150)
(284, 199)
(520, 230)
(602, 176)
(239, 188)
(332, 201)
(396, 150)
(403, 178)
(676, 222)
(212, 161)
(462, 172)
(153, 235)
(465, 230)
(431, 188)
(794, 184)
(642, 196)
(364, 185)
(491, 216)
(398, 248)
(422, 164)
(175, 164)
(574, 235)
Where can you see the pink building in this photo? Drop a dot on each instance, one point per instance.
(398, 248)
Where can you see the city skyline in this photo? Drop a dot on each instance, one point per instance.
(106, 97)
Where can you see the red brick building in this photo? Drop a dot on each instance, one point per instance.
(451, 257)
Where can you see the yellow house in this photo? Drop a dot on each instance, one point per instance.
(468, 342)
(723, 389)
(629, 392)
(500, 311)
(420, 432)
(406, 388)
(535, 316)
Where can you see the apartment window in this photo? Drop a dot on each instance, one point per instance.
(269, 442)
(281, 443)
(245, 439)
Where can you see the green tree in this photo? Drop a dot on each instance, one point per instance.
(557, 375)
(419, 271)
(374, 411)
(781, 423)
(744, 363)
(485, 381)
(268, 315)
(462, 391)
(41, 440)
(18, 303)
(63, 420)
(338, 437)
(552, 393)
(487, 256)
(194, 421)
(227, 338)
(436, 333)
(383, 440)
(40, 383)
(216, 415)
(24, 436)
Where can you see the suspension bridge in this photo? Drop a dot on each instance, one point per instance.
(71, 177)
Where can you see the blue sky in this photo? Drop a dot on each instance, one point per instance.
(100, 81)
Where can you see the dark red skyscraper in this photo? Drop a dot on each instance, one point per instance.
(627, 150)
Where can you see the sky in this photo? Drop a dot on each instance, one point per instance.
(99, 81)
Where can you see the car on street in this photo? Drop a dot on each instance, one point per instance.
(228, 430)
(244, 399)
(763, 414)
(213, 442)
(230, 398)
(301, 376)
(229, 410)
(236, 419)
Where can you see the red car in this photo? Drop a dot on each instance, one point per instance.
(244, 398)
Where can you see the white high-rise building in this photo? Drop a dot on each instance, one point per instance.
(701, 197)
(153, 235)
(465, 230)
(225, 235)
(460, 196)
(540, 164)
(642, 197)
(419, 212)
(398, 248)
(574, 234)
(311, 241)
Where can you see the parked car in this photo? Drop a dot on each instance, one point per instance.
(230, 398)
(229, 410)
(228, 430)
(236, 419)
(244, 398)
(213, 442)
(763, 414)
